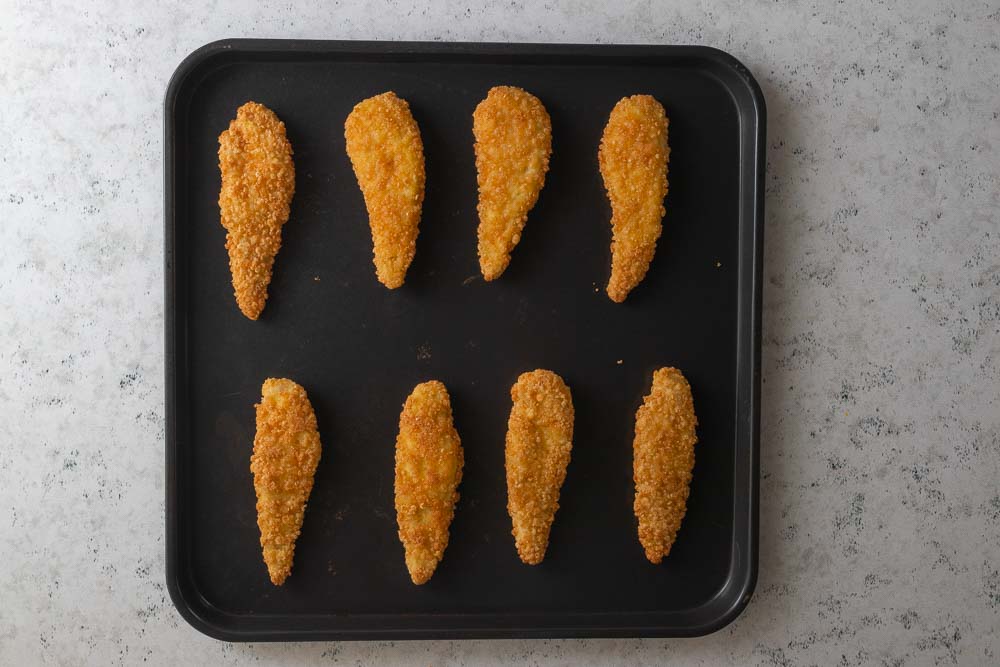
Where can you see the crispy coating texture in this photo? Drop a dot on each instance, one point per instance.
(258, 181)
(539, 442)
(633, 157)
(383, 142)
(663, 458)
(513, 143)
(286, 452)
(429, 463)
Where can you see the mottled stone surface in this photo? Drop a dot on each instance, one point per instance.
(880, 507)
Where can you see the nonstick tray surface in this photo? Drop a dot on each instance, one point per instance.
(359, 348)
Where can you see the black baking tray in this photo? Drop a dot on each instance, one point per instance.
(359, 348)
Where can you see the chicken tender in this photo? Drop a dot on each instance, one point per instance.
(429, 464)
(513, 144)
(633, 159)
(383, 142)
(258, 181)
(286, 452)
(539, 441)
(663, 458)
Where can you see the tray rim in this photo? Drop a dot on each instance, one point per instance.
(739, 588)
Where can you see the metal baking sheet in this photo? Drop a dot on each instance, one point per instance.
(359, 348)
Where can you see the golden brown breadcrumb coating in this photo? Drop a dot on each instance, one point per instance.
(383, 142)
(286, 452)
(513, 144)
(663, 458)
(429, 464)
(633, 156)
(258, 181)
(539, 441)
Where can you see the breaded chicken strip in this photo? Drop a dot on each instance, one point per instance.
(383, 142)
(258, 181)
(286, 452)
(513, 144)
(633, 158)
(539, 441)
(663, 458)
(429, 464)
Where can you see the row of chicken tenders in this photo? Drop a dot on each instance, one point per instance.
(430, 459)
(513, 143)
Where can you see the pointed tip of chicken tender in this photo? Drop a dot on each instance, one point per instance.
(387, 153)
(258, 181)
(429, 463)
(286, 451)
(663, 459)
(633, 157)
(537, 453)
(513, 135)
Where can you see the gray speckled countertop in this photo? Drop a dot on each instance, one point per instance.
(880, 507)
